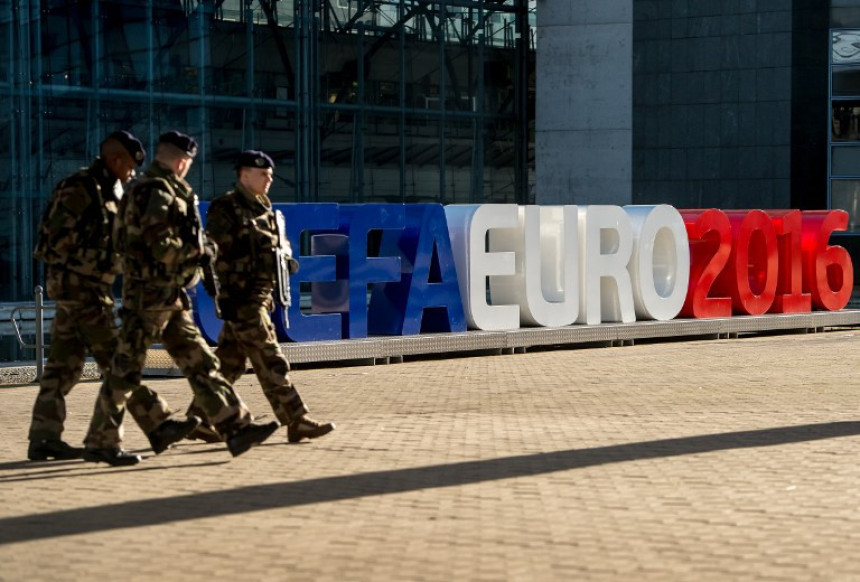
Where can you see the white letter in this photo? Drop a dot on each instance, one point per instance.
(660, 267)
(605, 248)
(468, 226)
(546, 284)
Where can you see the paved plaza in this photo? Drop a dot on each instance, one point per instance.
(698, 460)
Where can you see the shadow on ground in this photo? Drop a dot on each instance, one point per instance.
(147, 512)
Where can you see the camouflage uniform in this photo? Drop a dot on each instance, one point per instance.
(75, 243)
(161, 241)
(243, 227)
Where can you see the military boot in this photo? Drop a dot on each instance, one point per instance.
(205, 433)
(307, 428)
(250, 436)
(171, 431)
(56, 449)
(113, 457)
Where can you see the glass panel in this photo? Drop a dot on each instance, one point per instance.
(846, 81)
(844, 13)
(845, 161)
(366, 100)
(499, 155)
(846, 46)
(382, 159)
(66, 34)
(125, 28)
(845, 195)
(340, 144)
(845, 121)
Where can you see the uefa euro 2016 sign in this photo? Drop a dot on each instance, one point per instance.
(404, 269)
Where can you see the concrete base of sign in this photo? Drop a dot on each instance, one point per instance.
(392, 349)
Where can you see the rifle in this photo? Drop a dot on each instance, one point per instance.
(210, 278)
(285, 265)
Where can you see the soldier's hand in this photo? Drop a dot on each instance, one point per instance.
(292, 265)
(210, 253)
(210, 283)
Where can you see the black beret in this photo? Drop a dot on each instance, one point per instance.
(131, 144)
(184, 142)
(254, 159)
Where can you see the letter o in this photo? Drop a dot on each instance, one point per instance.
(660, 265)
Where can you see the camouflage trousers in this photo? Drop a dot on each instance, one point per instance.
(175, 329)
(252, 336)
(77, 327)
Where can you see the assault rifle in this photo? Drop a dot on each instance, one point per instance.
(285, 265)
(207, 247)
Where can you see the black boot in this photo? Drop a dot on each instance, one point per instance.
(250, 436)
(307, 428)
(171, 431)
(113, 457)
(52, 449)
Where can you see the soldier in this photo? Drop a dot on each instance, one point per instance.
(163, 247)
(243, 226)
(75, 243)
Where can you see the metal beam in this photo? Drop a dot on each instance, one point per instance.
(272, 21)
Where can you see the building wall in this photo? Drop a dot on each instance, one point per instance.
(584, 118)
(718, 88)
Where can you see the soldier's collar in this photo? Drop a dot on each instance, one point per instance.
(102, 173)
(251, 198)
(158, 170)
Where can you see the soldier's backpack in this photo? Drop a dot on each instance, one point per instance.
(46, 233)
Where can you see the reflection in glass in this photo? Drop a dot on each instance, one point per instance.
(845, 121)
(845, 160)
(845, 195)
(846, 46)
(846, 80)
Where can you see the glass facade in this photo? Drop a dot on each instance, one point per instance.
(356, 100)
(844, 142)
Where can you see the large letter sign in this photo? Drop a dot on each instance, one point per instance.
(751, 276)
(314, 269)
(827, 269)
(546, 280)
(790, 298)
(660, 266)
(606, 246)
(428, 268)
(710, 236)
(357, 221)
(750, 261)
(427, 297)
(470, 226)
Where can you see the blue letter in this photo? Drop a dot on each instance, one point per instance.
(299, 218)
(357, 221)
(429, 278)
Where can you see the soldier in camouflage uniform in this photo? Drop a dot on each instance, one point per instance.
(163, 247)
(242, 224)
(75, 243)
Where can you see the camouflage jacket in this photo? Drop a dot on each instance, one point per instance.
(75, 236)
(160, 237)
(243, 226)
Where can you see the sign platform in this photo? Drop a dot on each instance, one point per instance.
(391, 349)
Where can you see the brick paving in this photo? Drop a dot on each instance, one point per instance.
(699, 460)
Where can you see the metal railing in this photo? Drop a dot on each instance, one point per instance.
(39, 346)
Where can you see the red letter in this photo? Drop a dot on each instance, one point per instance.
(790, 297)
(827, 270)
(710, 237)
(751, 275)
